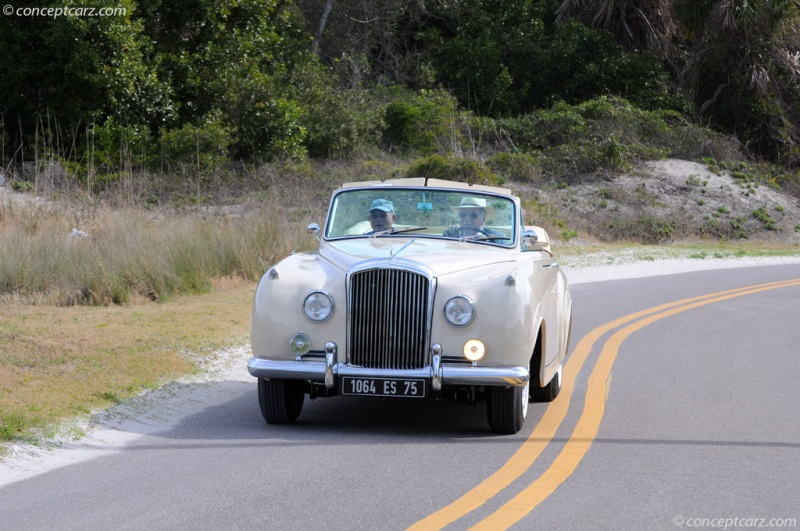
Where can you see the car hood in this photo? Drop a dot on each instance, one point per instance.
(440, 255)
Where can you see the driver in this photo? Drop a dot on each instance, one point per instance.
(381, 216)
(472, 213)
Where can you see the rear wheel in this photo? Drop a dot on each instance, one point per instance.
(280, 400)
(507, 408)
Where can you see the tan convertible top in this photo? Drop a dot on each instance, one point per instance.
(430, 183)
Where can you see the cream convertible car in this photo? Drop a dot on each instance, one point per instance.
(422, 289)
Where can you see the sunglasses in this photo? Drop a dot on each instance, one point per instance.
(378, 215)
(473, 215)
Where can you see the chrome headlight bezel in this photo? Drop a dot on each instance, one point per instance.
(459, 311)
(318, 306)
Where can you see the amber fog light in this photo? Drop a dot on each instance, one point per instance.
(300, 343)
(474, 350)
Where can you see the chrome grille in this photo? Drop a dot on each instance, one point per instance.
(388, 319)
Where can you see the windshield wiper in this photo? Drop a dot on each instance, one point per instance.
(487, 237)
(395, 231)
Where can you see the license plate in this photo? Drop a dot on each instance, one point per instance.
(400, 387)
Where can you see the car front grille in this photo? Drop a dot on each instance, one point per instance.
(389, 319)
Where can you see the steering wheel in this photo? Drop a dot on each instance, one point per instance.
(465, 232)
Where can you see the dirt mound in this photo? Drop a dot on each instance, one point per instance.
(675, 199)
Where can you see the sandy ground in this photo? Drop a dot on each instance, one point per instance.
(696, 201)
(598, 273)
(109, 430)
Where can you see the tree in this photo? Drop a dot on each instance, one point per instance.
(367, 43)
(737, 59)
(636, 24)
(61, 73)
(506, 57)
(234, 58)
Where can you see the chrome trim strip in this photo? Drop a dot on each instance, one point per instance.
(346, 370)
(507, 376)
(460, 375)
(291, 370)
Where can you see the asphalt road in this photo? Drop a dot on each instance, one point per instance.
(672, 416)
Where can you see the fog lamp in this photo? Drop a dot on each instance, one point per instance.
(300, 343)
(474, 350)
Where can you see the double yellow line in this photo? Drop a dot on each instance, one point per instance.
(585, 430)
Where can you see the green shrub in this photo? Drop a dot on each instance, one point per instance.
(339, 123)
(516, 166)
(424, 122)
(111, 146)
(766, 220)
(643, 229)
(561, 124)
(21, 186)
(454, 169)
(593, 157)
(600, 135)
(205, 147)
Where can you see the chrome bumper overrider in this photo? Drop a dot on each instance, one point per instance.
(440, 375)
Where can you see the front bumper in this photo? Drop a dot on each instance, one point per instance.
(440, 374)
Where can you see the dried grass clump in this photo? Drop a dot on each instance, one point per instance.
(133, 253)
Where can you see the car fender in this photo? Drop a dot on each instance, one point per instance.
(509, 312)
(278, 306)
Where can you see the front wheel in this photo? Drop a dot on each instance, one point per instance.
(280, 400)
(549, 392)
(507, 408)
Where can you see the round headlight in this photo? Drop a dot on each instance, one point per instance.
(300, 343)
(474, 349)
(459, 311)
(318, 306)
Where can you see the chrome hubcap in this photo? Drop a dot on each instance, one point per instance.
(525, 398)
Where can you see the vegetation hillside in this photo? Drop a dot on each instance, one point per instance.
(158, 106)
(208, 83)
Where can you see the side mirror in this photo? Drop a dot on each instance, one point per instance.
(530, 237)
(531, 241)
(314, 229)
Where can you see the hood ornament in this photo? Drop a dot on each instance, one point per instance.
(393, 254)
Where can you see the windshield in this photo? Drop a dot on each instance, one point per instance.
(454, 214)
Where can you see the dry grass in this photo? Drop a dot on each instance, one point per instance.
(58, 362)
(132, 253)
